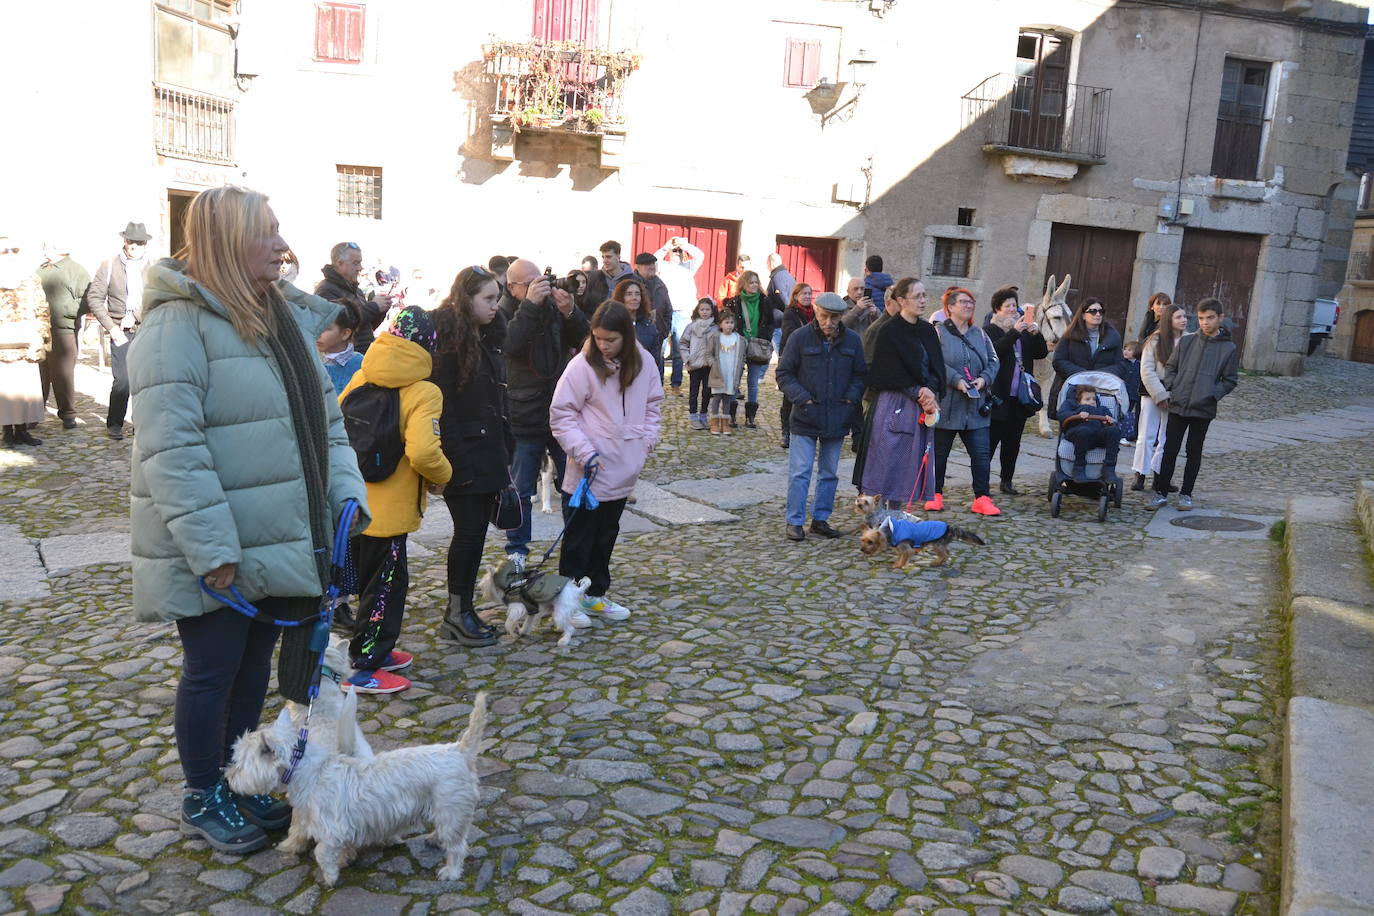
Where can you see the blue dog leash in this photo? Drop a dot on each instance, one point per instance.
(581, 498)
(319, 636)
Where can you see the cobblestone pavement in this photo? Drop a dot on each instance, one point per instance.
(1077, 717)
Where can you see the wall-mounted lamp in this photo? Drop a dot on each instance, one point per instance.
(880, 8)
(860, 68)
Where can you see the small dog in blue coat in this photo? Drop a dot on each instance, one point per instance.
(907, 538)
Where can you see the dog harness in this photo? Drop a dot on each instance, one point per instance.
(917, 534)
(533, 588)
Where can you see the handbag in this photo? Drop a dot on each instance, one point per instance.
(507, 512)
(758, 351)
(1026, 389)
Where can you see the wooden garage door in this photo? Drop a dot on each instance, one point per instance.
(718, 240)
(1219, 264)
(1100, 262)
(1363, 349)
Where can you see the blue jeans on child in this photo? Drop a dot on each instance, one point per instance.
(800, 459)
(524, 468)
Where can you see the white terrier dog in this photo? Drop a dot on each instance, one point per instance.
(546, 596)
(347, 803)
(326, 721)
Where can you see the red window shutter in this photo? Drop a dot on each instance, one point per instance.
(324, 31)
(802, 65)
(352, 34)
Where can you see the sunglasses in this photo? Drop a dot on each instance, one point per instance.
(480, 271)
(1092, 311)
(9, 250)
(352, 245)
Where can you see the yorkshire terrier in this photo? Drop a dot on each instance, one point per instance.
(908, 538)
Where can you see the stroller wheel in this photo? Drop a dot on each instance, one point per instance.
(1102, 503)
(1055, 499)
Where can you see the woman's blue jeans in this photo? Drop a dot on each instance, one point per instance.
(979, 447)
(756, 372)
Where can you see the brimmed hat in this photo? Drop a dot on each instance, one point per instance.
(412, 323)
(136, 232)
(831, 302)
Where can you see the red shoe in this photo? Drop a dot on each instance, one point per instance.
(397, 661)
(983, 506)
(937, 504)
(376, 682)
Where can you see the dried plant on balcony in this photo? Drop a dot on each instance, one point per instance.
(543, 84)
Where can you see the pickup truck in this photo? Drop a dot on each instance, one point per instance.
(1325, 314)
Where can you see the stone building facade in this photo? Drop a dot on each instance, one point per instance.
(1142, 145)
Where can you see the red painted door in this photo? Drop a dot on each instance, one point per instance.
(718, 240)
(565, 20)
(811, 261)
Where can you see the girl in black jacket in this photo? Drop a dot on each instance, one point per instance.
(1090, 344)
(799, 313)
(475, 434)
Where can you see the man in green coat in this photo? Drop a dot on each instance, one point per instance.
(64, 283)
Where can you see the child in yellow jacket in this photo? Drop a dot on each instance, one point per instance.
(399, 359)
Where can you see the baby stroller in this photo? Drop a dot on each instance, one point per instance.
(1112, 394)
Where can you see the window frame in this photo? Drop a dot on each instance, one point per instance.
(807, 47)
(968, 257)
(225, 9)
(1225, 166)
(347, 201)
(339, 10)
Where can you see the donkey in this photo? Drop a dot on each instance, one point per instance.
(1053, 318)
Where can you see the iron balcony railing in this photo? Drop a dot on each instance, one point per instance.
(193, 125)
(1067, 120)
(540, 84)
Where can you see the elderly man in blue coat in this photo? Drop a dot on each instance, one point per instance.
(822, 372)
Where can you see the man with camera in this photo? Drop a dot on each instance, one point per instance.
(340, 284)
(678, 262)
(863, 311)
(542, 327)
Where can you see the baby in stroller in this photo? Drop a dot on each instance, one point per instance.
(1089, 425)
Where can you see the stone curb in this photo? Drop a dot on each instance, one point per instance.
(1328, 789)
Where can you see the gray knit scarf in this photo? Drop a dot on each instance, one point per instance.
(297, 364)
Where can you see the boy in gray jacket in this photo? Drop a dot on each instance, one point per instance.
(1201, 371)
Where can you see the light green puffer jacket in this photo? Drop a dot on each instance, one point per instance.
(216, 472)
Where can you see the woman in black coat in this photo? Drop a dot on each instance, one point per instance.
(1013, 335)
(475, 434)
(799, 313)
(1089, 344)
(905, 379)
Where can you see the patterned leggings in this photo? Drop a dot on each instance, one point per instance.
(383, 581)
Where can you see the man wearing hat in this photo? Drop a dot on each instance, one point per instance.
(822, 372)
(115, 298)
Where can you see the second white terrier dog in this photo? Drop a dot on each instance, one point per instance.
(347, 803)
(548, 486)
(548, 597)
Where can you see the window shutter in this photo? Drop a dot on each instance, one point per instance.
(802, 64)
(352, 34)
(324, 30)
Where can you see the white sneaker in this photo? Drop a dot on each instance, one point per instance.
(517, 562)
(605, 607)
(581, 620)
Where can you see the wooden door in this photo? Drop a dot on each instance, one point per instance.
(1039, 98)
(718, 240)
(810, 260)
(565, 20)
(1362, 351)
(1101, 262)
(1219, 264)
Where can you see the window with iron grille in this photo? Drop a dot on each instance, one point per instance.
(339, 32)
(360, 191)
(952, 257)
(1240, 119)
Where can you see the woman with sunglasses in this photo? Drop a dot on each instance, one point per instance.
(1090, 344)
(475, 435)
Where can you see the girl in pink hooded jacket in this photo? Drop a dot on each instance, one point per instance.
(605, 414)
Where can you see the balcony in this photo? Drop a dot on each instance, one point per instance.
(558, 87)
(1041, 131)
(193, 125)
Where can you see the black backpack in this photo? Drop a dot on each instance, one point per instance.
(372, 418)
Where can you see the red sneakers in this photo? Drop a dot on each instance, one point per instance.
(983, 506)
(397, 661)
(937, 504)
(378, 681)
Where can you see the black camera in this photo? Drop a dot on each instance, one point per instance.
(985, 406)
(566, 284)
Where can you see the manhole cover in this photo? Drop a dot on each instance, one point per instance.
(1216, 523)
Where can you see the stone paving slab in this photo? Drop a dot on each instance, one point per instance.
(22, 576)
(1329, 809)
(663, 506)
(72, 551)
(1161, 526)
